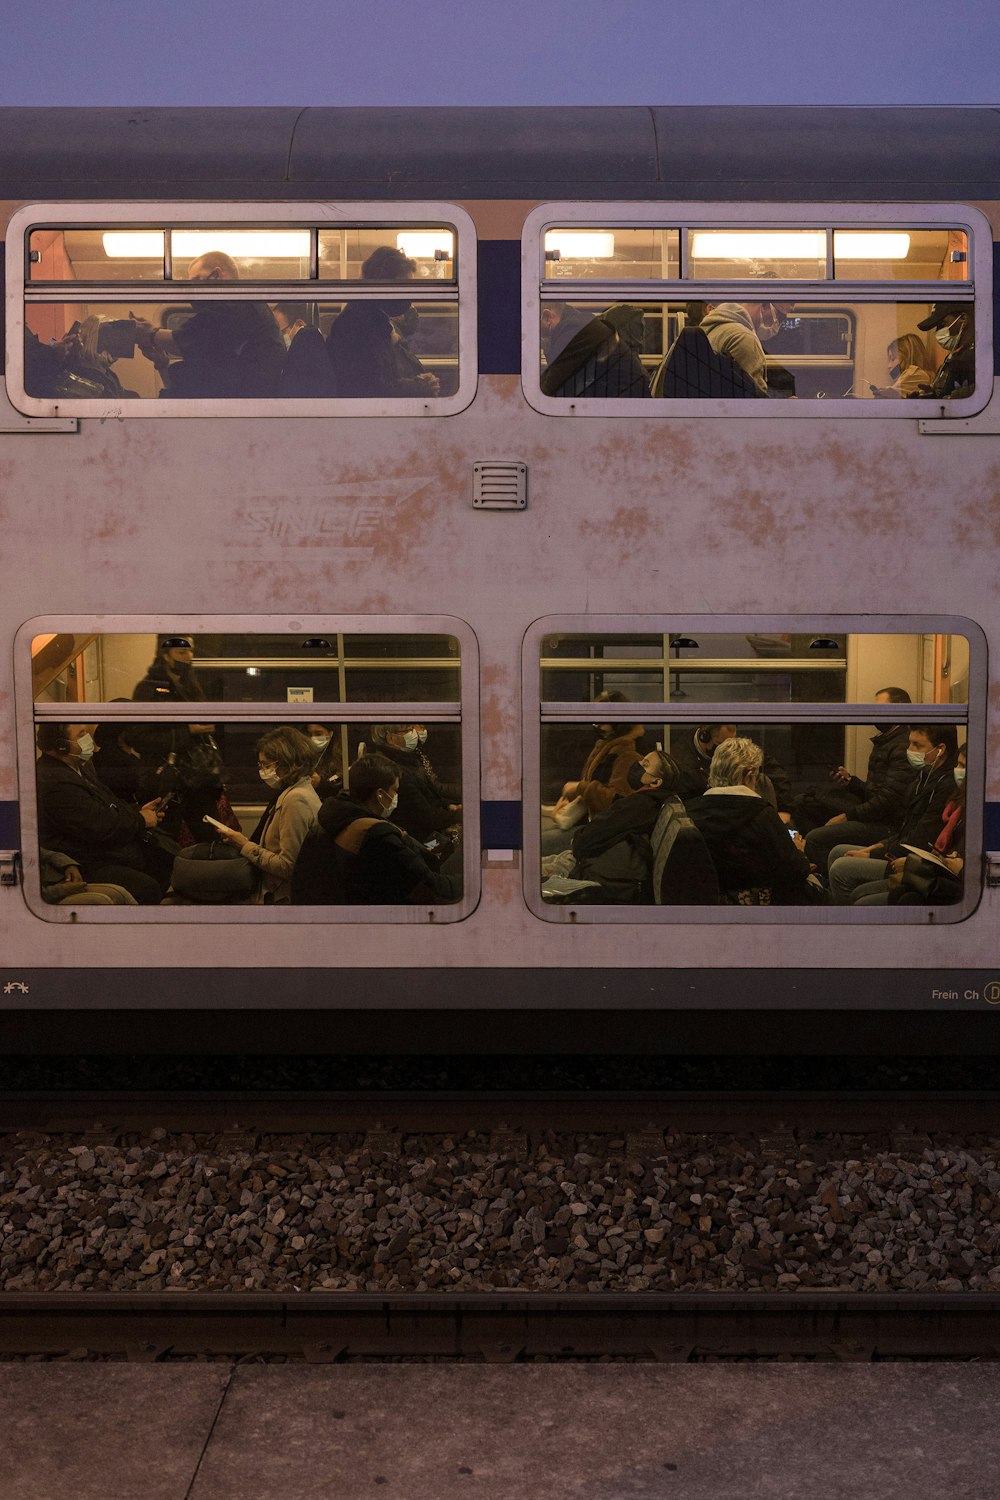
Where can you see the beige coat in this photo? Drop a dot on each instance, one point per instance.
(293, 815)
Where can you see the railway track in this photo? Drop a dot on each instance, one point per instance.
(324, 1328)
(785, 1113)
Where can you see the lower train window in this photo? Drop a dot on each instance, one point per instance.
(876, 312)
(110, 314)
(825, 769)
(239, 770)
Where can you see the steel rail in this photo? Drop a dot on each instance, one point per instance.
(504, 1327)
(796, 1114)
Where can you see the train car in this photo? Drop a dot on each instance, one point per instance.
(417, 431)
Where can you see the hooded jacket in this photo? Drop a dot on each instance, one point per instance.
(730, 331)
(888, 782)
(749, 845)
(388, 869)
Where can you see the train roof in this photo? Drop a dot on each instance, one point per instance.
(630, 152)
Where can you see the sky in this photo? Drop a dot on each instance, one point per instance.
(426, 52)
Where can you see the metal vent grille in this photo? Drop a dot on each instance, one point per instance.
(500, 485)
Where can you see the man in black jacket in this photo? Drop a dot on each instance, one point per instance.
(869, 809)
(79, 816)
(355, 856)
(424, 809)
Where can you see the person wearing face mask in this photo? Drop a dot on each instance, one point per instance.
(449, 790)
(953, 326)
(424, 810)
(355, 856)
(677, 863)
(181, 758)
(738, 329)
(327, 773)
(907, 361)
(225, 349)
(285, 760)
(363, 343)
(933, 755)
(108, 839)
(932, 885)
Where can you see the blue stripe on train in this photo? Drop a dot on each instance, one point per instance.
(501, 825)
(499, 307)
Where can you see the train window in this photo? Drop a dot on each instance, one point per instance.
(838, 734)
(227, 315)
(215, 720)
(861, 307)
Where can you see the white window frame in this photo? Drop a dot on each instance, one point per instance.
(978, 290)
(972, 716)
(464, 712)
(250, 215)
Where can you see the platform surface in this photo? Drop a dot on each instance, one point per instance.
(512, 1432)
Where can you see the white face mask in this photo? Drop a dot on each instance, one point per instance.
(387, 812)
(422, 736)
(269, 778)
(85, 747)
(410, 739)
(319, 741)
(959, 775)
(918, 760)
(949, 337)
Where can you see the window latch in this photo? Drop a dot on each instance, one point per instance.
(10, 866)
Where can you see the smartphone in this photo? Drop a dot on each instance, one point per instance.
(215, 823)
(433, 843)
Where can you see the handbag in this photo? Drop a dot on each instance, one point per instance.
(213, 872)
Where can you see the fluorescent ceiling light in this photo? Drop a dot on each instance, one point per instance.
(577, 244)
(186, 244)
(869, 244)
(758, 244)
(423, 244)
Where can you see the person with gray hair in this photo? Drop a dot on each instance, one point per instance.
(756, 859)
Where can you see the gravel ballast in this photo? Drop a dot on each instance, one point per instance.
(557, 1212)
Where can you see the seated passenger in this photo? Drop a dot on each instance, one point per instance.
(737, 329)
(691, 368)
(356, 857)
(306, 371)
(601, 358)
(63, 884)
(906, 358)
(933, 755)
(327, 772)
(423, 809)
(604, 777)
(644, 848)
(449, 790)
(225, 349)
(79, 364)
(862, 811)
(693, 754)
(363, 344)
(953, 325)
(77, 815)
(285, 759)
(756, 861)
(916, 882)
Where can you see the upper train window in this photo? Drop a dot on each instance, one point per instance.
(876, 311)
(734, 769)
(154, 310)
(332, 763)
